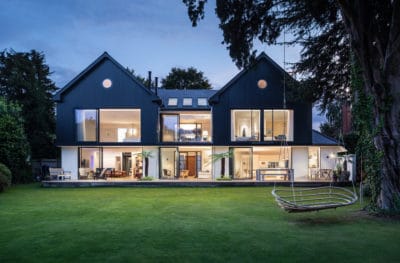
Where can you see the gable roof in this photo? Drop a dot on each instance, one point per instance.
(262, 56)
(320, 139)
(87, 70)
(180, 94)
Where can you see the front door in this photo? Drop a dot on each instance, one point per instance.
(191, 165)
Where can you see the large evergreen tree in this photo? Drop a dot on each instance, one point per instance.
(189, 78)
(373, 30)
(24, 78)
(14, 147)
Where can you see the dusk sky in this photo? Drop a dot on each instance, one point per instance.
(143, 35)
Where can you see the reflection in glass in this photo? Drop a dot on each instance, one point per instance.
(86, 123)
(245, 125)
(120, 125)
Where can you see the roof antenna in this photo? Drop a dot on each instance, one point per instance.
(284, 68)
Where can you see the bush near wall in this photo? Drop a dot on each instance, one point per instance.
(5, 177)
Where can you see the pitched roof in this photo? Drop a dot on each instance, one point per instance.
(179, 94)
(320, 139)
(105, 55)
(260, 57)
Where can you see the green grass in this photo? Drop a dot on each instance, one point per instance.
(183, 225)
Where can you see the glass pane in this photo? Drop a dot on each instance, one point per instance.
(169, 128)
(280, 124)
(268, 125)
(89, 162)
(245, 125)
(202, 102)
(195, 127)
(168, 163)
(120, 125)
(242, 165)
(172, 101)
(187, 101)
(86, 123)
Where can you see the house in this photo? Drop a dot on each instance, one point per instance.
(107, 120)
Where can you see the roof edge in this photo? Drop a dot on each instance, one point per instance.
(58, 96)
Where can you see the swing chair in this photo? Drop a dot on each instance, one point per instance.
(297, 200)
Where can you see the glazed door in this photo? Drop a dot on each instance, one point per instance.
(169, 162)
(191, 165)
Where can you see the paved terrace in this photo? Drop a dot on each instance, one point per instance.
(178, 183)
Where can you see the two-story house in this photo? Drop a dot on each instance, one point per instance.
(107, 120)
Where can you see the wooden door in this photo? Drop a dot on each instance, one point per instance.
(191, 165)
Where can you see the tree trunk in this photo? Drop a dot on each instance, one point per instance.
(222, 167)
(377, 46)
(146, 166)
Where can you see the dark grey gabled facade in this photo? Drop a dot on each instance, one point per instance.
(242, 92)
(110, 125)
(86, 91)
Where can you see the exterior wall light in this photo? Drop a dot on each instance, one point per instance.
(107, 83)
(262, 84)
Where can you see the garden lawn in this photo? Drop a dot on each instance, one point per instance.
(241, 224)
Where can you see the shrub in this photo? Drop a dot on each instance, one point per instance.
(366, 189)
(146, 178)
(5, 177)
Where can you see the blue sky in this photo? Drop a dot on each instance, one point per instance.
(143, 35)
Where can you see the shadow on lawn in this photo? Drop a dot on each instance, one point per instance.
(326, 219)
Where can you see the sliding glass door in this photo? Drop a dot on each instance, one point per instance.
(169, 162)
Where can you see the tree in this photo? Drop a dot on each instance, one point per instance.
(24, 78)
(221, 157)
(373, 28)
(141, 79)
(14, 147)
(189, 78)
(333, 126)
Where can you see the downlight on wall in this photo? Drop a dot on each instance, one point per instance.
(107, 83)
(262, 84)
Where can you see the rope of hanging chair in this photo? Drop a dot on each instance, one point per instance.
(307, 199)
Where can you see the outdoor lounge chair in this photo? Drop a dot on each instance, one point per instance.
(100, 173)
(59, 174)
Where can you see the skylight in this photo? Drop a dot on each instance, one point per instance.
(187, 101)
(172, 101)
(201, 102)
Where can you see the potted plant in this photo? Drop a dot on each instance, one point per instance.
(337, 172)
(222, 156)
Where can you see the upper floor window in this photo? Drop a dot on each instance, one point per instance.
(245, 125)
(186, 127)
(86, 125)
(278, 125)
(120, 125)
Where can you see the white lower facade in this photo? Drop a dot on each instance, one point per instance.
(306, 163)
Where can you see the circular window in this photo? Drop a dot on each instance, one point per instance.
(107, 83)
(262, 84)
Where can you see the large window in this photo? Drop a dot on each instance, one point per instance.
(278, 125)
(245, 125)
(120, 125)
(186, 127)
(89, 162)
(86, 125)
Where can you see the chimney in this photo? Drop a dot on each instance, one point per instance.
(149, 81)
(156, 85)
